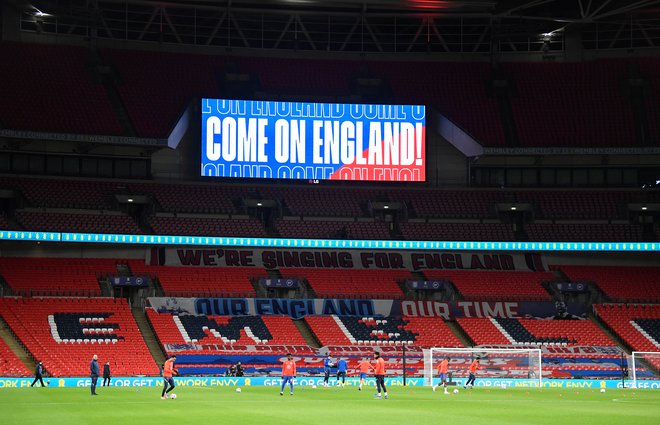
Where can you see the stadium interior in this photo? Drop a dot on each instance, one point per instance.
(538, 129)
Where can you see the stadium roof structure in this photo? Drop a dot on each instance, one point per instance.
(378, 26)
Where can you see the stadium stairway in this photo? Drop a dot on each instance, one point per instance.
(14, 345)
(610, 333)
(307, 333)
(460, 333)
(149, 336)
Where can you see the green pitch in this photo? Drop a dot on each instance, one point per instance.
(264, 405)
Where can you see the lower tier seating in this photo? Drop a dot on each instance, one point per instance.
(370, 331)
(487, 331)
(211, 331)
(10, 364)
(637, 324)
(64, 333)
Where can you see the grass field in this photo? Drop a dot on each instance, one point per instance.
(264, 405)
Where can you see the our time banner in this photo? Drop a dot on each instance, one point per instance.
(313, 141)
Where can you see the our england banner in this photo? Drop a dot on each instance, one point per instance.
(313, 141)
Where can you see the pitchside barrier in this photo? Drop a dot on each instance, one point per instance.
(306, 382)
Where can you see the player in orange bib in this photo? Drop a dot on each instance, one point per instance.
(471, 370)
(288, 373)
(379, 371)
(168, 376)
(443, 369)
(364, 368)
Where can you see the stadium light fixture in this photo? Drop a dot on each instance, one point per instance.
(38, 13)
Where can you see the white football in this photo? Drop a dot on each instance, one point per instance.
(455, 391)
(504, 386)
(602, 390)
(172, 396)
(314, 386)
(238, 390)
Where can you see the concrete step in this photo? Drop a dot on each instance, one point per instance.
(149, 335)
(15, 345)
(307, 333)
(460, 334)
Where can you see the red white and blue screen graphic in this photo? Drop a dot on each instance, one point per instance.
(313, 141)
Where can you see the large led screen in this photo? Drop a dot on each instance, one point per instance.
(313, 141)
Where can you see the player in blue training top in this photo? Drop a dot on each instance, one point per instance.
(342, 367)
(328, 364)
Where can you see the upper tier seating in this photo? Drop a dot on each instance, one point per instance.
(621, 284)
(328, 202)
(498, 285)
(65, 333)
(584, 232)
(571, 104)
(476, 112)
(56, 276)
(145, 76)
(206, 226)
(63, 193)
(201, 281)
(650, 68)
(323, 202)
(342, 283)
(457, 231)
(50, 88)
(10, 364)
(433, 203)
(194, 198)
(84, 223)
(4, 224)
(318, 229)
(548, 204)
(78, 104)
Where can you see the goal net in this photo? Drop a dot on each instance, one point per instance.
(644, 366)
(495, 363)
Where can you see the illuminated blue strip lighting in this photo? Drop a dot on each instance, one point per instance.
(18, 235)
(247, 242)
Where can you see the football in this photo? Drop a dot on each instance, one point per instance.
(314, 386)
(602, 390)
(172, 396)
(238, 390)
(455, 391)
(504, 386)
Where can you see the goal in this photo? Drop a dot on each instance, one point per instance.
(644, 366)
(496, 363)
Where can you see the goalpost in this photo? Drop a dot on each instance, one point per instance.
(645, 365)
(496, 363)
